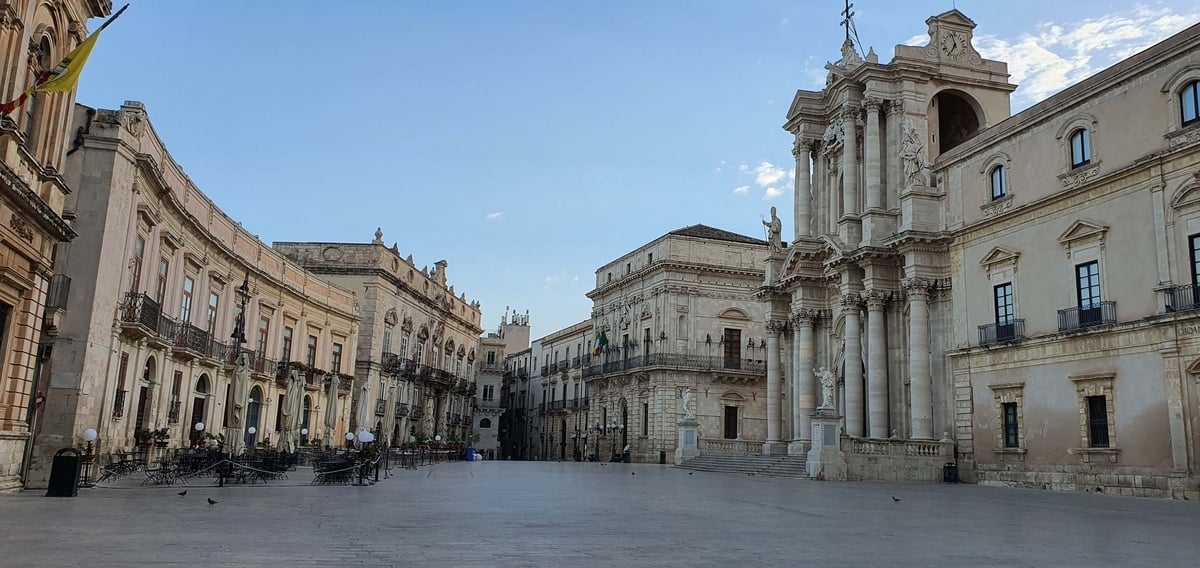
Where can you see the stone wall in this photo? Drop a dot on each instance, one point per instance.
(1128, 481)
(896, 460)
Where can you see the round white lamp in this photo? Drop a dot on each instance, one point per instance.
(251, 430)
(304, 431)
(89, 435)
(199, 426)
(438, 438)
(349, 436)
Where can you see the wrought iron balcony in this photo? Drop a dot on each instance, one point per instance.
(416, 413)
(674, 360)
(119, 404)
(1072, 319)
(139, 311)
(380, 407)
(192, 339)
(994, 333)
(394, 364)
(583, 402)
(575, 361)
(401, 410)
(1180, 298)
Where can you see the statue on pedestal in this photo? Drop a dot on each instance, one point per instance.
(828, 382)
(689, 410)
(774, 231)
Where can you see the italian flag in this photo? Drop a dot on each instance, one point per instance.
(601, 342)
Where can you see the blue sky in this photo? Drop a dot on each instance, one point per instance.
(528, 143)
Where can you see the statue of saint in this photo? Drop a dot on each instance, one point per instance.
(828, 382)
(689, 410)
(774, 231)
(912, 152)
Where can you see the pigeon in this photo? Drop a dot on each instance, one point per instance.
(211, 502)
(633, 473)
(689, 473)
(895, 499)
(182, 493)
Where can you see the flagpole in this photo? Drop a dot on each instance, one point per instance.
(112, 19)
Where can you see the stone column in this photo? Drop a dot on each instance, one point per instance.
(854, 370)
(877, 380)
(920, 379)
(871, 176)
(802, 150)
(895, 112)
(804, 401)
(850, 161)
(774, 404)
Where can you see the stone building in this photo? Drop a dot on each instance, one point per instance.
(918, 198)
(520, 411)
(679, 314)
(488, 418)
(162, 278)
(564, 410)
(33, 193)
(415, 365)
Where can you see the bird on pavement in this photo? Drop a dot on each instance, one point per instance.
(211, 502)
(182, 493)
(895, 499)
(633, 473)
(689, 473)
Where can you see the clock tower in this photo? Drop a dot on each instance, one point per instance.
(950, 36)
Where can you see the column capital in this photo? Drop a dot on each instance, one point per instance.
(805, 317)
(775, 327)
(873, 104)
(917, 287)
(852, 301)
(803, 145)
(894, 106)
(876, 299)
(850, 112)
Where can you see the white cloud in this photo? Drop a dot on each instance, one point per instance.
(772, 193)
(574, 279)
(742, 190)
(767, 173)
(1058, 54)
(494, 216)
(743, 168)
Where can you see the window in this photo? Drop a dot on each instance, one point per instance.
(1081, 148)
(999, 182)
(610, 277)
(287, 344)
(628, 267)
(1097, 410)
(433, 362)
(485, 423)
(645, 418)
(1088, 285)
(1194, 241)
(387, 339)
(185, 306)
(336, 361)
(1011, 430)
(419, 352)
(164, 267)
(1189, 103)
(404, 345)
(310, 356)
(650, 258)
(139, 248)
(264, 328)
(213, 302)
(489, 392)
(1004, 303)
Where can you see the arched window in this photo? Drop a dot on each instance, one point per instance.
(34, 107)
(1189, 103)
(485, 423)
(1081, 148)
(999, 182)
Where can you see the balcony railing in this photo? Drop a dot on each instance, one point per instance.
(139, 309)
(694, 362)
(119, 404)
(1180, 298)
(192, 339)
(380, 407)
(416, 413)
(583, 402)
(401, 410)
(994, 333)
(173, 412)
(1071, 319)
(575, 361)
(394, 364)
(542, 407)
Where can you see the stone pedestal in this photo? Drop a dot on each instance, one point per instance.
(826, 460)
(775, 448)
(799, 447)
(687, 446)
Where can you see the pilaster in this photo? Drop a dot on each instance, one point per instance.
(851, 304)
(877, 380)
(919, 375)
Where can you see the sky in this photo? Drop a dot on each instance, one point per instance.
(529, 143)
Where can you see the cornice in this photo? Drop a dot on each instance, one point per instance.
(26, 200)
(668, 265)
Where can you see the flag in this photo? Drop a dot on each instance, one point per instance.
(65, 75)
(601, 343)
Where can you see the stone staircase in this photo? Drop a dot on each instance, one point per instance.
(767, 466)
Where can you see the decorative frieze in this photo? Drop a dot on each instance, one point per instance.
(1080, 176)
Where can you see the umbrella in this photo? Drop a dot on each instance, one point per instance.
(239, 388)
(331, 410)
(389, 413)
(363, 407)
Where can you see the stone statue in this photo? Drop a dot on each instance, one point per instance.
(828, 381)
(912, 152)
(689, 409)
(774, 231)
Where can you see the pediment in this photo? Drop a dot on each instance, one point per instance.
(734, 313)
(733, 397)
(998, 255)
(1194, 368)
(1082, 229)
(1186, 196)
(952, 16)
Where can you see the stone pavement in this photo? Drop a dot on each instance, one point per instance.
(587, 514)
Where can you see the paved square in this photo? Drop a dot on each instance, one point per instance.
(581, 515)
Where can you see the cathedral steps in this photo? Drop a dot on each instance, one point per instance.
(767, 466)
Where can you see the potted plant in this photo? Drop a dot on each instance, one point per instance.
(161, 437)
(143, 438)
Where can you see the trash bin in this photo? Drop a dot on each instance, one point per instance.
(662, 458)
(625, 457)
(950, 472)
(64, 474)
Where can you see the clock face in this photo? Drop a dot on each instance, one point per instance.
(954, 45)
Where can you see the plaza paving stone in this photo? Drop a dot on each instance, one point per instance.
(587, 514)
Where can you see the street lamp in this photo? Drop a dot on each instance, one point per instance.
(89, 436)
(239, 328)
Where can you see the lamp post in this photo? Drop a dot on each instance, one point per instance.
(89, 436)
(239, 327)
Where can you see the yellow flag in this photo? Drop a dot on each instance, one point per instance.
(65, 75)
